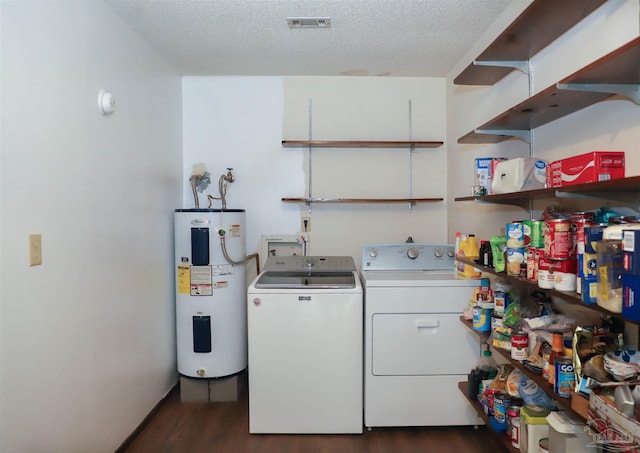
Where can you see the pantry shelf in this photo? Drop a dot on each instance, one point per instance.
(623, 190)
(568, 296)
(360, 144)
(503, 441)
(617, 73)
(538, 26)
(562, 403)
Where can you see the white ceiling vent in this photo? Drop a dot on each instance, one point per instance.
(309, 22)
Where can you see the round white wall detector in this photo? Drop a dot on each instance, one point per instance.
(106, 102)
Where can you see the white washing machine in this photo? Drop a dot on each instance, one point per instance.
(304, 317)
(416, 348)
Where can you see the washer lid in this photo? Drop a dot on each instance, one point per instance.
(306, 279)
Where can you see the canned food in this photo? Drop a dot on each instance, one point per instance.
(546, 355)
(534, 233)
(546, 279)
(543, 445)
(515, 433)
(501, 401)
(515, 261)
(482, 319)
(558, 241)
(564, 271)
(515, 234)
(533, 259)
(577, 230)
(519, 345)
(564, 382)
(513, 411)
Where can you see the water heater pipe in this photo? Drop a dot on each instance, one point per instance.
(244, 260)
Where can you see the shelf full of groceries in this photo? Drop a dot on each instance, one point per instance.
(557, 365)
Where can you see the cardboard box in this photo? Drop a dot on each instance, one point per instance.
(631, 252)
(589, 290)
(586, 168)
(613, 430)
(631, 297)
(484, 170)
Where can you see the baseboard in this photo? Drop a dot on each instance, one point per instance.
(136, 432)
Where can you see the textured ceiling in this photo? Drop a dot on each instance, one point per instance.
(423, 38)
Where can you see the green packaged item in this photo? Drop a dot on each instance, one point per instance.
(498, 247)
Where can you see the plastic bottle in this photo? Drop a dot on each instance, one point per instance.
(487, 364)
(468, 248)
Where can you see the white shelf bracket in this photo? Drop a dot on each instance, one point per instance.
(522, 66)
(631, 91)
(524, 135)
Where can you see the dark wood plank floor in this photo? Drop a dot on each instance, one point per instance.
(224, 427)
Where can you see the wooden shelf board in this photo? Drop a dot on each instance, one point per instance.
(361, 200)
(618, 67)
(359, 144)
(622, 186)
(538, 26)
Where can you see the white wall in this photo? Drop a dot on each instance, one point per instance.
(87, 338)
(610, 125)
(238, 122)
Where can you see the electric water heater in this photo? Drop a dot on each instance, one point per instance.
(211, 308)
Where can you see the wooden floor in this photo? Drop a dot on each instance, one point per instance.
(224, 427)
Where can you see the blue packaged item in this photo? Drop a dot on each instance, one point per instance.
(631, 297)
(631, 252)
(589, 290)
(531, 393)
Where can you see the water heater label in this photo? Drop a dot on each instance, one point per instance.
(234, 231)
(201, 281)
(184, 279)
(222, 269)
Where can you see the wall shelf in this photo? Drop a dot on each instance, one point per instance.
(617, 73)
(538, 26)
(361, 200)
(360, 144)
(623, 190)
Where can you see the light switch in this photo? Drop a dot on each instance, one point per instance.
(35, 249)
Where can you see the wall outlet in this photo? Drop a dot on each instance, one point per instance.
(35, 249)
(305, 224)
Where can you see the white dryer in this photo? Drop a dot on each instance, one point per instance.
(416, 348)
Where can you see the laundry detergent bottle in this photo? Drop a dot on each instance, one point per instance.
(467, 248)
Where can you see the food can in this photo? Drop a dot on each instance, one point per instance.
(564, 271)
(515, 235)
(546, 279)
(564, 382)
(533, 259)
(515, 259)
(515, 433)
(577, 230)
(558, 240)
(519, 345)
(537, 233)
(513, 411)
(482, 319)
(501, 401)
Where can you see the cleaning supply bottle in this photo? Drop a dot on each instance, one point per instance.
(487, 364)
(468, 248)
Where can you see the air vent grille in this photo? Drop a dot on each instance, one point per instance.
(309, 22)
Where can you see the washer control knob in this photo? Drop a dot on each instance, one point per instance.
(412, 253)
(438, 253)
(309, 262)
(450, 253)
(373, 253)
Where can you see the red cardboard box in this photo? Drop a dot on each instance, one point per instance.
(590, 167)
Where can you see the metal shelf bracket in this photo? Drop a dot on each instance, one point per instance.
(629, 199)
(524, 135)
(519, 65)
(631, 91)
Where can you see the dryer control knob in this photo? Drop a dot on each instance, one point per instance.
(412, 253)
(373, 253)
(438, 253)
